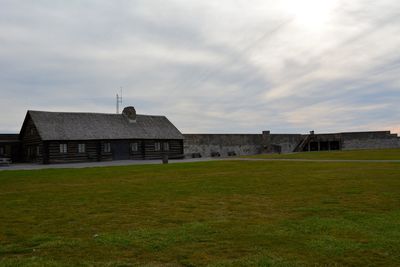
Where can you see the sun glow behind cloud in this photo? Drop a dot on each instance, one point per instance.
(310, 14)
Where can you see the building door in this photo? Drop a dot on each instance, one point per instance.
(120, 150)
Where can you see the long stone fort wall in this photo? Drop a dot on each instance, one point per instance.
(207, 145)
(370, 140)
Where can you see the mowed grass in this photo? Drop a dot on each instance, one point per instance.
(226, 213)
(368, 154)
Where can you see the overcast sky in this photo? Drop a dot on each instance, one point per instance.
(217, 66)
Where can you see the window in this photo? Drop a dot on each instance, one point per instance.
(166, 146)
(107, 147)
(1, 150)
(134, 147)
(38, 151)
(32, 131)
(63, 149)
(157, 146)
(81, 148)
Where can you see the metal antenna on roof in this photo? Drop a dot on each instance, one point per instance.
(119, 101)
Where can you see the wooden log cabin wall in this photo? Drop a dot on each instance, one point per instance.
(10, 147)
(32, 145)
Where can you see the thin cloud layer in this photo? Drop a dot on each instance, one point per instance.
(210, 66)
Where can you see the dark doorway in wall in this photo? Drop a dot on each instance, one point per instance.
(314, 146)
(120, 150)
(324, 146)
(335, 145)
(276, 149)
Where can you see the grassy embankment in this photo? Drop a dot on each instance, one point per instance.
(211, 213)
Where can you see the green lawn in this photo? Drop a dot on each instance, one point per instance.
(225, 213)
(375, 154)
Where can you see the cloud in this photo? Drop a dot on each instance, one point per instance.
(210, 66)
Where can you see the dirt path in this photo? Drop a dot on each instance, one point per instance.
(26, 166)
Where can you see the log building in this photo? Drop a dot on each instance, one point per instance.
(59, 137)
(10, 147)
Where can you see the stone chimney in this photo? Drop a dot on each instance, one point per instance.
(130, 114)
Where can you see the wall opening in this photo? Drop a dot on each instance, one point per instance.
(314, 146)
(335, 145)
(324, 146)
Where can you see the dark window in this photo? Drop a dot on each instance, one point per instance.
(8, 150)
(81, 148)
(323, 146)
(63, 148)
(134, 147)
(32, 131)
(166, 146)
(107, 147)
(38, 151)
(157, 146)
(1, 150)
(334, 145)
(314, 146)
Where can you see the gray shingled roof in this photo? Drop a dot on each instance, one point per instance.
(97, 126)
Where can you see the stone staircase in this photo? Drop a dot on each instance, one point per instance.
(302, 144)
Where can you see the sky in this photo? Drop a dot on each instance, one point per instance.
(221, 66)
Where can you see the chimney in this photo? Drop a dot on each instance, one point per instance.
(130, 114)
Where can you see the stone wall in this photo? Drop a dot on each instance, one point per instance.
(370, 140)
(287, 142)
(206, 144)
(238, 144)
(251, 144)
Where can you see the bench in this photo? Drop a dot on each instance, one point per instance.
(5, 162)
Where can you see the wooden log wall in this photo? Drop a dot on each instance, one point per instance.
(175, 149)
(11, 150)
(95, 150)
(31, 141)
(139, 154)
(72, 155)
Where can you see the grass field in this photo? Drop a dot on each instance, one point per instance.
(376, 154)
(226, 213)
